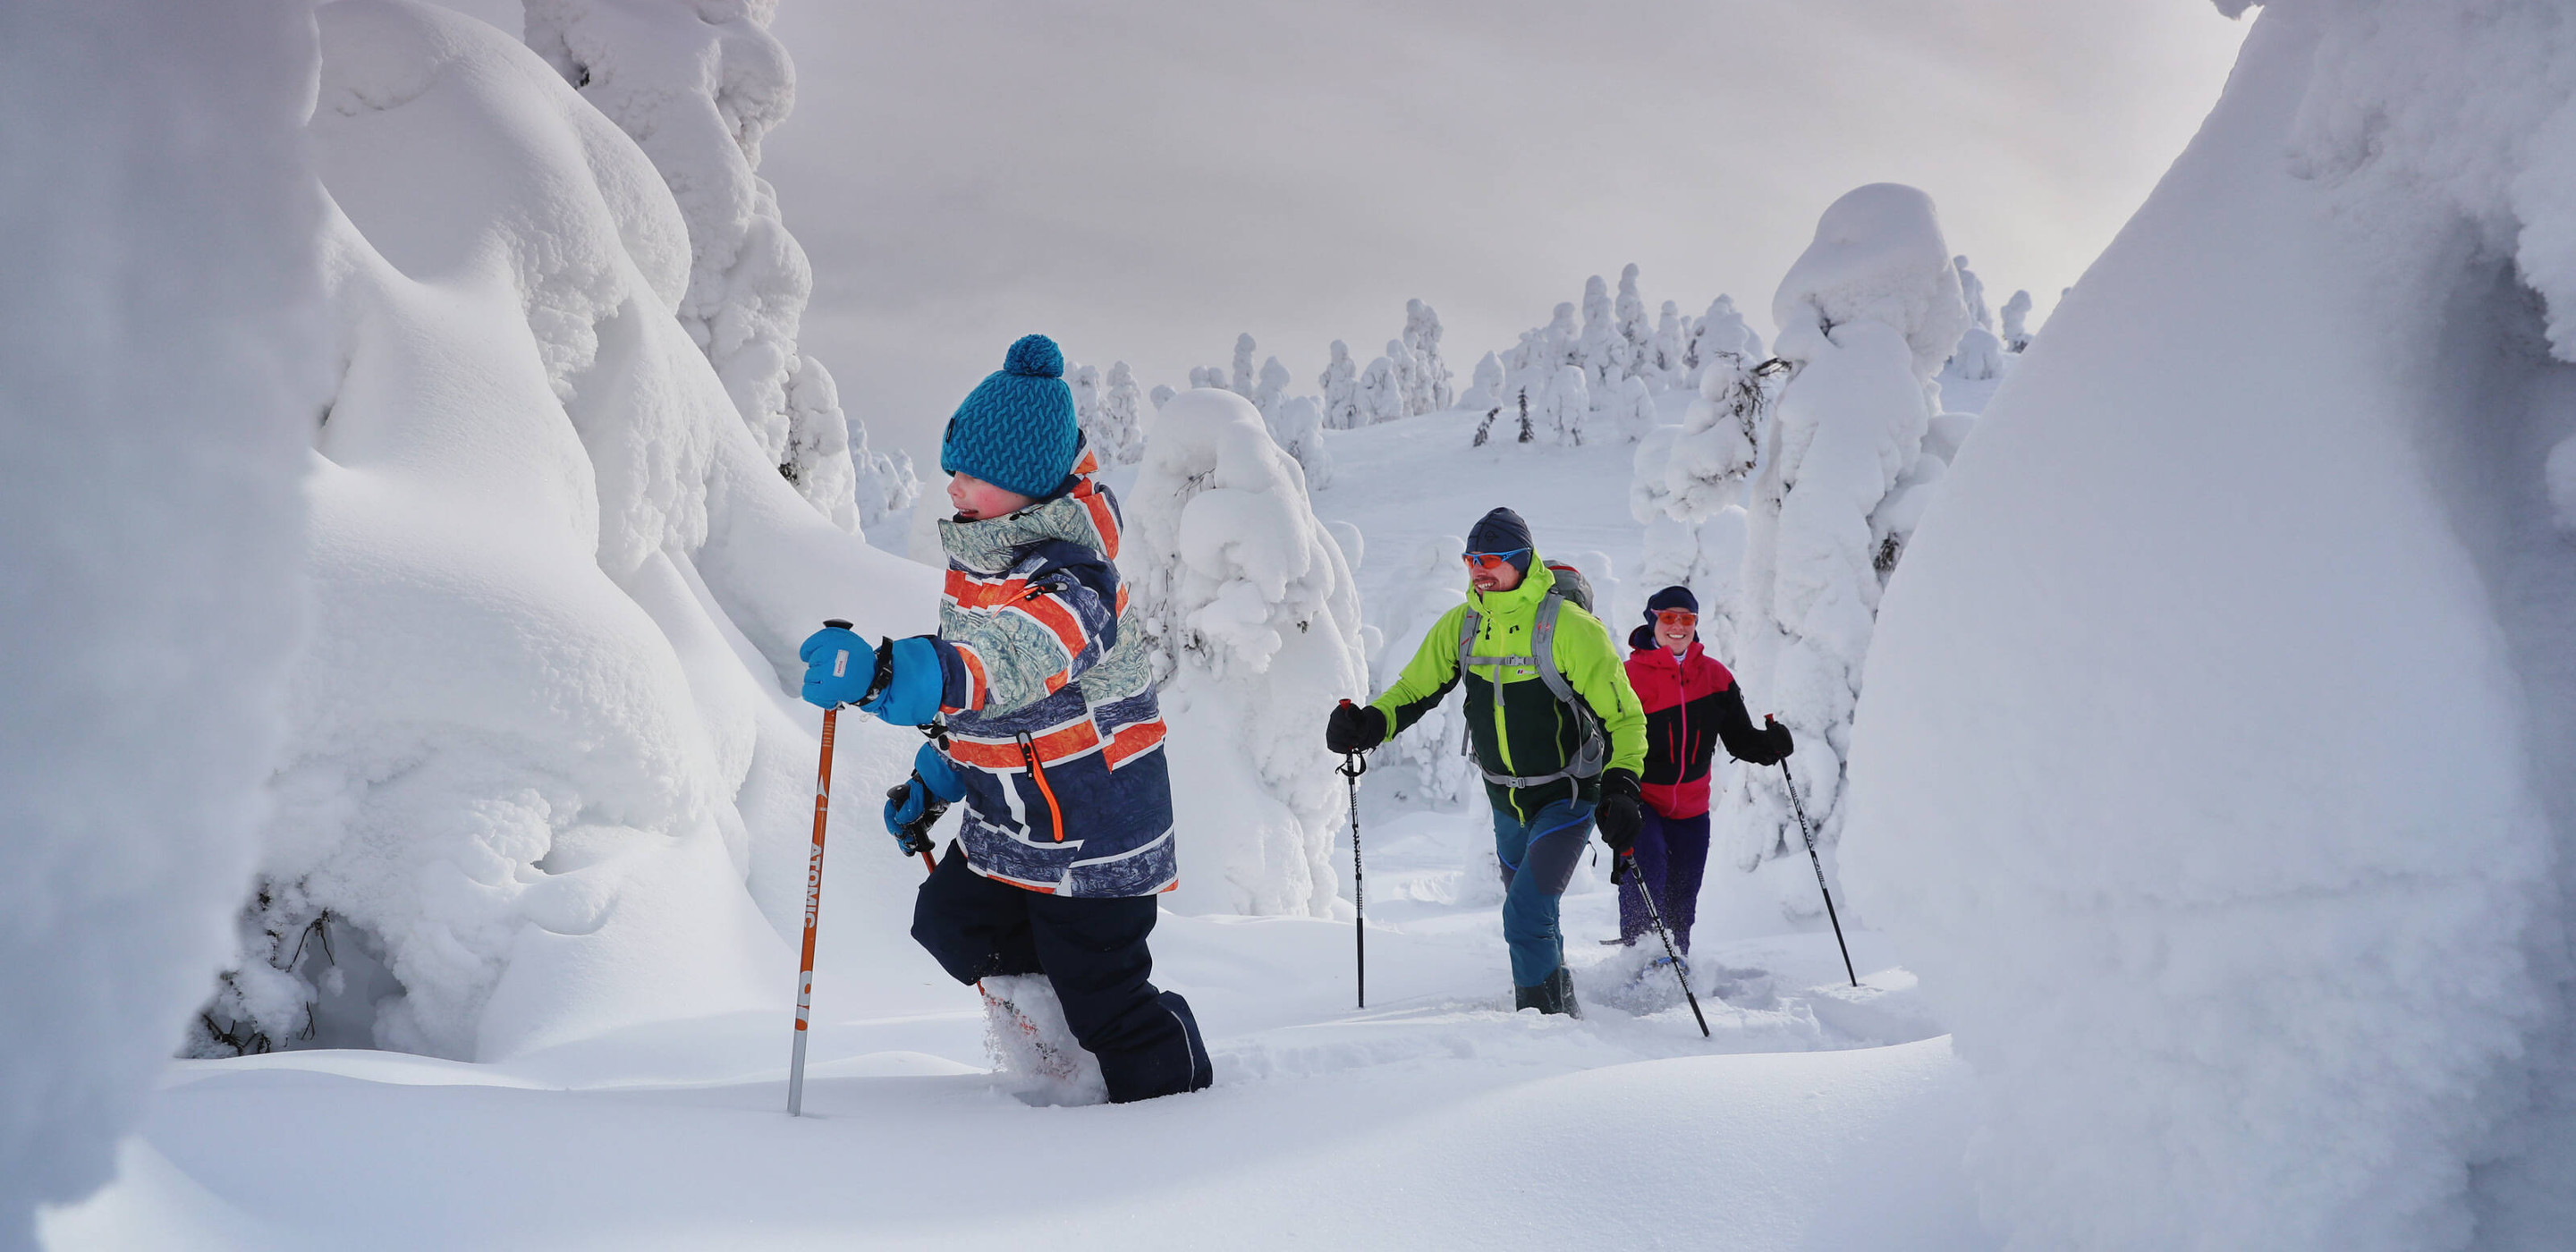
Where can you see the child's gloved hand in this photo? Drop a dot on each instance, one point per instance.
(838, 665)
(913, 686)
(913, 805)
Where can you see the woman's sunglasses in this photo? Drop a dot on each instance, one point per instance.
(1676, 617)
(1493, 560)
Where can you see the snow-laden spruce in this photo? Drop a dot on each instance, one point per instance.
(543, 776)
(166, 362)
(1255, 624)
(1866, 316)
(697, 84)
(2230, 827)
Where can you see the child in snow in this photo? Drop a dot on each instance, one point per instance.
(1692, 703)
(1553, 764)
(1052, 737)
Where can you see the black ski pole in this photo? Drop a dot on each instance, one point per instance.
(1656, 916)
(1353, 765)
(1812, 859)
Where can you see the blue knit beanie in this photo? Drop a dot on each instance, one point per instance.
(1671, 598)
(1016, 428)
(1503, 531)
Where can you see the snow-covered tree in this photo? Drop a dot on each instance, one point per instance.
(1638, 337)
(1118, 432)
(1485, 390)
(1665, 360)
(1601, 351)
(1407, 375)
(1979, 356)
(1721, 333)
(1635, 409)
(1430, 392)
(1867, 316)
(1084, 382)
(1565, 407)
(697, 84)
(1270, 388)
(163, 369)
(573, 615)
(884, 481)
(1254, 622)
(1381, 392)
(1297, 424)
(1341, 384)
(1241, 381)
(1161, 395)
(1687, 484)
(2016, 334)
(1972, 293)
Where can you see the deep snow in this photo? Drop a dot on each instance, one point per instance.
(1433, 1118)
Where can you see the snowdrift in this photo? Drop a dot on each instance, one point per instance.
(543, 776)
(2212, 768)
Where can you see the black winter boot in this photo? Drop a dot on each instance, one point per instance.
(1556, 995)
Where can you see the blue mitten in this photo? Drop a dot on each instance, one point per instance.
(911, 695)
(838, 665)
(917, 802)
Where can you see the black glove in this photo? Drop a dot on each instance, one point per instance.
(1781, 745)
(1618, 814)
(1354, 728)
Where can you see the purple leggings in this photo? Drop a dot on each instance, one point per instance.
(1672, 853)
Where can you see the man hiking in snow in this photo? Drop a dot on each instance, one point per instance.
(1692, 704)
(1557, 730)
(1052, 736)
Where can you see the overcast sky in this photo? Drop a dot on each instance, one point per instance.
(1144, 179)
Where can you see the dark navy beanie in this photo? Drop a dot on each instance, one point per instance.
(1671, 598)
(1503, 531)
(1016, 429)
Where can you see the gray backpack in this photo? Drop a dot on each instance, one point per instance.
(1595, 750)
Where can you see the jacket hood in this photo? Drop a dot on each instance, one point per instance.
(1085, 513)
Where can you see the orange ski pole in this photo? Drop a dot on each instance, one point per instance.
(813, 907)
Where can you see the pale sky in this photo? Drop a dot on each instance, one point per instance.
(1143, 179)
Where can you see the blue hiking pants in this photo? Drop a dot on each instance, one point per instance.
(1538, 857)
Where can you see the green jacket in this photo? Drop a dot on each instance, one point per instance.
(1526, 731)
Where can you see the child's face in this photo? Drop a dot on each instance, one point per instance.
(976, 499)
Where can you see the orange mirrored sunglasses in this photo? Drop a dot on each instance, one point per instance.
(1493, 560)
(1676, 617)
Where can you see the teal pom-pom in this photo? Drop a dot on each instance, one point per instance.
(1034, 356)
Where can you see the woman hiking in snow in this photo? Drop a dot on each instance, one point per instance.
(1692, 704)
(1052, 736)
(1557, 730)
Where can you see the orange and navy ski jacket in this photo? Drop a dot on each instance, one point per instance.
(1052, 722)
(1692, 704)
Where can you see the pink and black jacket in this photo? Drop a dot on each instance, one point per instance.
(1692, 704)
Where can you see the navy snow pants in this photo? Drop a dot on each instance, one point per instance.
(1092, 948)
(1672, 854)
(1538, 858)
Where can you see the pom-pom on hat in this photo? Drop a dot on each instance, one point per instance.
(1016, 429)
